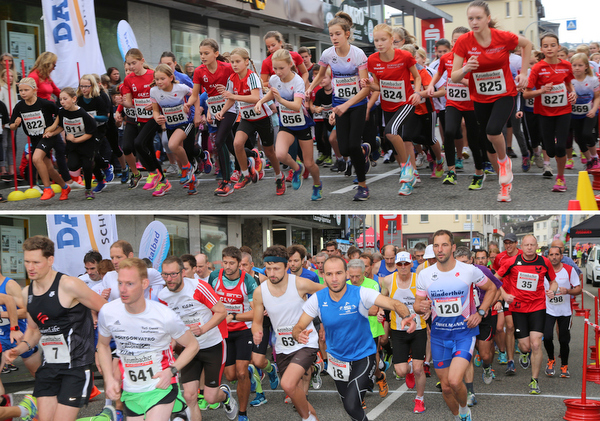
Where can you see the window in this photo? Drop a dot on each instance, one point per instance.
(544, 226)
(469, 218)
(456, 217)
(507, 9)
(520, 8)
(404, 219)
(424, 219)
(185, 39)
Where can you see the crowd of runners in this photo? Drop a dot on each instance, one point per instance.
(485, 87)
(162, 341)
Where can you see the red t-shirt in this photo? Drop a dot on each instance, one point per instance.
(421, 108)
(267, 64)
(394, 79)
(526, 282)
(139, 88)
(555, 102)
(244, 87)
(208, 80)
(45, 88)
(492, 79)
(457, 94)
(501, 256)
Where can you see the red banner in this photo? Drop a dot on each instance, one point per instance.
(432, 30)
(390, 229)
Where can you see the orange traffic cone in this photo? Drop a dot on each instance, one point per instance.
(574, 205)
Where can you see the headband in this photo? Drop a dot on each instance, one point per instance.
(275, 259)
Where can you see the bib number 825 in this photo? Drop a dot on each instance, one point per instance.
(490, 86)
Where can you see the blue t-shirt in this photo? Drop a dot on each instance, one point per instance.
(212, 128)
(5, 327)
(308, 275)
(185, 79)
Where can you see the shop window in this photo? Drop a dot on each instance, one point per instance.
(178, 235)
(231, 40)
(185, 42)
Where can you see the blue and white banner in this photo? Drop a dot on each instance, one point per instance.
(75, 235)
(155, 244)
(70, 28)
(125, 38)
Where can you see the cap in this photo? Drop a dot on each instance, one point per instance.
(429, 254)
(510, 237)
(403, 257)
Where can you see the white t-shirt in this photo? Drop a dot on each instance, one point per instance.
(560, 305)
(111, 280)
(143, 341)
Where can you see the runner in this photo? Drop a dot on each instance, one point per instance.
(202, 268)
(525, 292)
(446, 290)
(282, 296)
(350, 367)
(189, 266)
(387, 266)
(483, 56)
(297, 257)
(142, 330)
(287, 88)
(274, 42)
(555, 95)
(196, 303)
(235, 288)
(559, 312)
(348, 65)
(63, 326)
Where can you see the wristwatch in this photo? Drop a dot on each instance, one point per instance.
(234, 316)
(15, 328)
(174, 370)
(481, 312)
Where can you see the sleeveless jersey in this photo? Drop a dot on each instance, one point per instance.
(193, 305)
(67, 333)
(235, 300)
(345, 73)
(143, 341)
(171, 104)
(406, 296)
(560, 305)
(285, 311)
(5, 323)
(209, 81)
(383, 270)
(586, 89)
(295, 88)
(245, 86)
(556, 101)
(457, 94)
(139, 88)
(394, 78)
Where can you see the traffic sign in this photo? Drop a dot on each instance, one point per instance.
(572, 25)
(476, 242)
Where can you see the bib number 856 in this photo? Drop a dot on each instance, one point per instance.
(291, 119)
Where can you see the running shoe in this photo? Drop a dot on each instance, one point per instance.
(306, 173)
(192, 186)
(235, 176)
(488, 168)
(427, 370)
(366, 147)
(327, 162)
(64, 194)
(505, 175)
(152, 181)
(109, 173)
(242, 182)
(187, 173)
(108, 413)
(290, 176)
(410, 380)
(251, 370)
(320, 159)
(48, 193)
(287, 399)
(279, 186)
(361, 194)
(252, 170)
(6, 369)
(224, 189)
(259, 400)
(317, 193)
(569, 164)
(488, 375)
(465, 152)
(208, 166)
(450, 178)
(504, 194)
(316, 380)
(89, 195)
(595, 164)
(419, 406)
(418, 178)
(387, 156)
(550, 368)
(202, 403)
(459, 166)
(534, 388)
(466, 417)
(364, 404)
(477, 360)
(477, 182)
(526, 164)
(161, 188)
(405, 189)
(135, 180)
(383, 386)
(348, 172)
(438, 170)
(583, 160)
(511, 153)
(538, 160)
(171, 169)
(230, 405)
(502, 359)
(258, 164)
(524, 361)
(99, 187)
(273, 377)
(125, 175)
(564, 372)
(471, 399)
(421, 159)
(407, 173)
(510, 368)
(547, 171)
(297, 177)
(559, 185)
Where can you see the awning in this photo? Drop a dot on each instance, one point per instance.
(590, 228)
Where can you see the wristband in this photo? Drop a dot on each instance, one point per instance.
(465, 71)
(28, 346)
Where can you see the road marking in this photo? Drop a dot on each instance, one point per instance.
(390, 399)
(376, 178)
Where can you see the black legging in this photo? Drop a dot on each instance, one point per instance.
(224, 143)
(140, 137)
(564, 336)
(584, 133)
(112, 135)
(81, 155)
(492, 116)
(61, 159)
(533, 129)
(555, 130)
(349, 127)
(322, 129)
(453, 122)
(353, 391)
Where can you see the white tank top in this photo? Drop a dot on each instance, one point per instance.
(285, 311)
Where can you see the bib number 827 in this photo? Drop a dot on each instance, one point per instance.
(553, 99)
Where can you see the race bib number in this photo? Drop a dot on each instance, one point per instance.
(216, 104)
(581, 109)
(175, 115)
(392, 90)
(529, 103)
(338, 370)
(291, 118)
(140, 369)
(557, 300)
(140, 108)
(56, 350)
(74, 126)
(476, 297)
(457, 92)
(346, 87)
(130, 112)
(248, 113)
(233, 308)
(490, 83)
(192, 321)
(527, 281)
(285, 338)
(34, 123)
(93, 113)
(557, 97)
(448, 307)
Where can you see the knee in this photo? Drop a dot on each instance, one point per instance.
(401, 369)
(288, 386)
(190, 396)
(418, 369)
(281, 154)
(455, 383)
(210, 394)
(242, 373)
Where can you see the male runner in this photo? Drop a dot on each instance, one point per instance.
(387, 266)
(196, 303)
(343, 310)
(297, 256)
(523, 289)
(143, 330)
(91, 276)
(418, 255)
(59, 319)
(446, 289)
(282, 296)
(558, 311)
(202, 268)
(429, 259)
(189, 266)
(319, 261)
(566, 259)
(235, 288)
(331, 248)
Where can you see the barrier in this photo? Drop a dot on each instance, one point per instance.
(594, 349)
(580, 311)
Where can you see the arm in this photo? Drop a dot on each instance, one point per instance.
(436, 77)
(304, 74)
(459, 71)
(259, 310)
(127, 100)
(295, 105)
(595, 106)
(80, 292)
(490, 293)
(400, 308)
(11, 308)
(299, 332)
(526, 47)
(362, 94)
(54, 129)
(317, 80)
(79, 139)
(268, 97)
(158, 117)
(416, 97)
(14, 290)
(30, 339)
(228, 104)
(219, 314)
(572, 95)
(112, 386)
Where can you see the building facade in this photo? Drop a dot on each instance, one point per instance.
(420, 228)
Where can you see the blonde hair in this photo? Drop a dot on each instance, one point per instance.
(29, 81)
(43, 64)
(134, 53)
(95, 91)
(586, 62)
(13, 76)
(583, 49)
(135, 263)
(166, 69)
(593, 56)
(384, 27)
(404, 35)
(422, 53)
(274, 34)
(344, 20)
(284, 55)
(410, 48)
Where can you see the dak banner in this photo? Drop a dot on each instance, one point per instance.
(155, 244)
(70, 28)
(75, 235)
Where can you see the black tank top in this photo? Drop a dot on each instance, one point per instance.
(67, 333)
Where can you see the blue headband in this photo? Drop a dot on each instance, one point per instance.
(275, 259)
